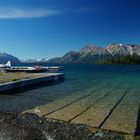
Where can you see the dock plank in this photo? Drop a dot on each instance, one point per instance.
(76, 108)
(124, 117)
(60, 103)
(63, 102)
(95, 115)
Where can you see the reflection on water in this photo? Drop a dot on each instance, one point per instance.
(79, 80)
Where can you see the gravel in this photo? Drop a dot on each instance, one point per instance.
(32, 127)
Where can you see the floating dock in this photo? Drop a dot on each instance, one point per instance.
(47, 77)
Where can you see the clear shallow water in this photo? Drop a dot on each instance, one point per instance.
(80, 79)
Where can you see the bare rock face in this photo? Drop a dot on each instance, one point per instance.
(124, 50)
(71, 56)
(118, 50)
(136, 49)
(95, 54)
(4, 57)
(93, 50)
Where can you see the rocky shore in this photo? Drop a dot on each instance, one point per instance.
(14, 126)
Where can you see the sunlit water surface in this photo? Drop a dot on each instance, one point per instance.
(79, 78)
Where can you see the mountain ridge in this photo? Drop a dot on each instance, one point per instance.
(4, 57)
(95, 54)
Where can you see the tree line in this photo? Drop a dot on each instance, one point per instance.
(134, 59)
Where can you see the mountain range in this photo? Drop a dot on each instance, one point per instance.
(114, 53)
(4, 57)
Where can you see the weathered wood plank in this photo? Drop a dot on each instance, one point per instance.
(63, 102)
(124, 117)
(52, 106)
(76, 108)
(67, 100)
(97, 113)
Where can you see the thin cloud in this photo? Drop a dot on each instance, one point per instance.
(15, 13)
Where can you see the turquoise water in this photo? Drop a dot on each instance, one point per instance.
(80, 79)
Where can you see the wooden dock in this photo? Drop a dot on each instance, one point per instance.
(26, 82)
(112, 108)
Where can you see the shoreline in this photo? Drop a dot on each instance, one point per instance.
(32, 127)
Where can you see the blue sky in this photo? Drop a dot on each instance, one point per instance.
(50, 28)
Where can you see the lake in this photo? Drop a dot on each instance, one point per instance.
(113, 90)
(79, 77)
